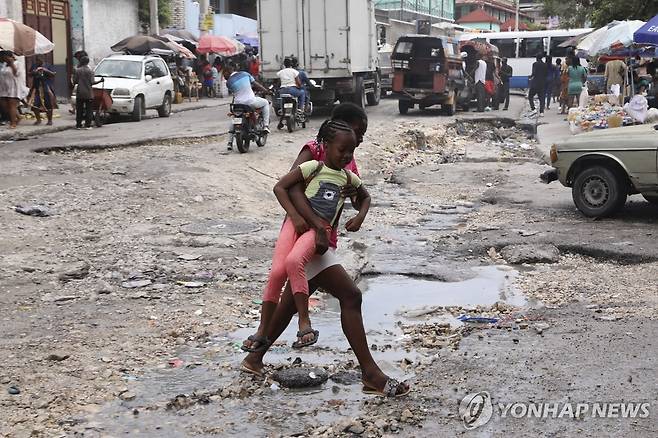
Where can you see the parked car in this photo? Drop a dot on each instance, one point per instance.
(136, 83)
(603, 167)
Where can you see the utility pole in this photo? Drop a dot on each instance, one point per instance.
(516, 24)
(153, 11)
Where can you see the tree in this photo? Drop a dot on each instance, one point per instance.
(164, 13)
(576, 13)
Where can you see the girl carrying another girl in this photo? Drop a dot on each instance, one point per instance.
(325, 183)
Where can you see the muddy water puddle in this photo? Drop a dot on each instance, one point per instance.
(389, 302)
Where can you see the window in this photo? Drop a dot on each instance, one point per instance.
(506, 47)
(531, 47)
(558, 51)
(160, 68)
(119, 68)
(404, 47)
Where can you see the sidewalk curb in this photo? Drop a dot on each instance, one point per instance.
(19, 136)
(101, 147)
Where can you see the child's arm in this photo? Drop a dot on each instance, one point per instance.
(281, 192)
(363, 199)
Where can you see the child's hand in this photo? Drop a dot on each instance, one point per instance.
(348, 191)
(300, 224)
(355, 223)
(321, 241)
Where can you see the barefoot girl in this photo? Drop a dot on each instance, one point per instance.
(324, 182)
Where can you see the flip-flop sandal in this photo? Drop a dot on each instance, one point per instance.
(245, 369)
(390, 389)
(301, 334)
(263, 344)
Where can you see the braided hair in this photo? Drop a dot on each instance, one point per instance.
(350, 113)
(330, 128)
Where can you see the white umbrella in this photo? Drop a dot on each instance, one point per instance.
(22, 39)
(614, 36)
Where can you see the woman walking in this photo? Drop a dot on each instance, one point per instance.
(42, 93)
(10, 87)
(577, 78)
(325, 271)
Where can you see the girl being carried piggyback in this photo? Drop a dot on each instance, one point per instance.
(325, 187)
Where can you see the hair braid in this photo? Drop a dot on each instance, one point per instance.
(330, 128)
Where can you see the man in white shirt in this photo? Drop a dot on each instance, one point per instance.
(239, 84)
(291, 83)
(480, 78)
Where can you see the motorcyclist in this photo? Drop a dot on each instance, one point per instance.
(240, 84)
(291, 83)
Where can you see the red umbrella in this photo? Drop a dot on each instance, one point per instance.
(219, 45)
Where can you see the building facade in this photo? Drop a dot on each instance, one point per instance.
(410, 10)
(488, 14)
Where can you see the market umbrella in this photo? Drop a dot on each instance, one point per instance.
(180, 33)
(140, 45)
(573, 41)
(182, 51)
(219, 45)
(22, 39)
(248, 38)
(189, 45)
(647, 34)
(618, 35)
(486, 50)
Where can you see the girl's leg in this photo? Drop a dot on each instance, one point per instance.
(13, 112)
(276, 279)
(299, 256)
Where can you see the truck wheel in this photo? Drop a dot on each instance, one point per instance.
(359, 92)
(599, 191)
(373, 98)
(403, 106)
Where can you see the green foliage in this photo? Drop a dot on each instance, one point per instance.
(577, 13)
(164, 12)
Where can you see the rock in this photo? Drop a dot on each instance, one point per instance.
(541, 327)
(356, 428)
(301, 377)
(133, 284)
(37, 210)
(57, 357)
(346, 377)
(13, 390)
(406, 416)
(103, 288)
(189, 257)
(540, 253)
(63, 298)
(78, 271)
(127, 396)
(380, 423)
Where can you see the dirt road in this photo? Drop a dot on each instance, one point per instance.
(125, 306)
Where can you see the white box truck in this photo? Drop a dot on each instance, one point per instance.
(334, 41)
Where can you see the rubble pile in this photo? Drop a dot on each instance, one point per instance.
(493, 134)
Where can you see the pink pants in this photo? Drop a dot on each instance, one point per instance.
(291, 253)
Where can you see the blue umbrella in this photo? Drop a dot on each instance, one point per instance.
(647, 34)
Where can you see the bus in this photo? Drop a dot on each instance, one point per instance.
(521, 48)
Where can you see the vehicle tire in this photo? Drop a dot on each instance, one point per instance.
(98, 118)
(303, 125)
(373, 98)
(165, 109)
(138, 109)
(652, 199)
(290, 123)
(403, 106)
(599, 191)
(242, 141)
(451, 109)
(359, 92)
(261, 140)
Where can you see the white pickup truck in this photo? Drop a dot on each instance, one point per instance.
(334, 41)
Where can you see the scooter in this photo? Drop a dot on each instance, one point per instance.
(248, 125)
(289, 115)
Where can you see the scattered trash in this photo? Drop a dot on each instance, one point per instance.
(198, 312)
(33, 210)
(258, 301)
(176, 362)
(477, 319)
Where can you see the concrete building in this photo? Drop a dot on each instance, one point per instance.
(487, 14)
(411, 10)
(12, 9)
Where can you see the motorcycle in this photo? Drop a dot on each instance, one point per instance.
(289, 115)
(248, 125)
